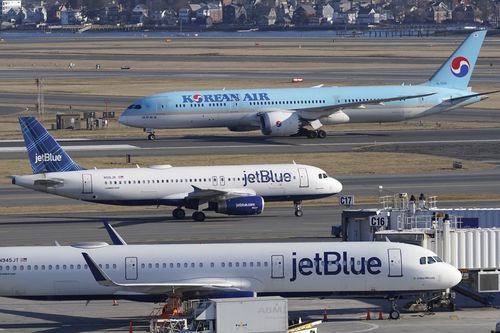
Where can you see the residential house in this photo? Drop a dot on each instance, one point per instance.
(304, 15)
(367, 16)
(68, 15)
(234, 14)
(441, 12)
(463, 14)
(10, 4)
(140, 14)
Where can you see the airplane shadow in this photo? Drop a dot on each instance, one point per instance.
(57, 323)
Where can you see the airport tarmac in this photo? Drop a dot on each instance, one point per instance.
(479, 144)
(344, 315)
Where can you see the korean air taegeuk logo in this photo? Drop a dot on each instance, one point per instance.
(460, 66)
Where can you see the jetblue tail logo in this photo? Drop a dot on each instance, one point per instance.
(45, 154)
(460, 66)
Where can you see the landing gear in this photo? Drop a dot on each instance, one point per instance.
(320, 134)
(151, 137)
(298, 209)
(198, 216)
(179, 213)
(394, 313)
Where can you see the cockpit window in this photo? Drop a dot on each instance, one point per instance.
(320, 176)
(422, 261)
(438, 259)
(137, 106)
(325, 175)
(131, 106)
(431, 260)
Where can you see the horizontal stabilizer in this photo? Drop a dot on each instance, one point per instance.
(463, 98)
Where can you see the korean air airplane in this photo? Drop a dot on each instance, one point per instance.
(232, 190)
(303, 111)
(154, 272)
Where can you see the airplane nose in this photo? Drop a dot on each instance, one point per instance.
(124, 118)
(336, 186)
(454, 276)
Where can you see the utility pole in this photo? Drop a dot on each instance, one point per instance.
(40, 102)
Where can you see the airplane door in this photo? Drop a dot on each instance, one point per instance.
(395, 264)
(131, 268)
(304, 179)
(277, 267)
(87, 183)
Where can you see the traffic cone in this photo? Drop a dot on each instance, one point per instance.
(368, 317)
(380, 316)
(325, 316)
(130, 328)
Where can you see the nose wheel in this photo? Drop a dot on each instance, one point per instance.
(151, 136)
(179, 213)
(394, 313)
(298, 209)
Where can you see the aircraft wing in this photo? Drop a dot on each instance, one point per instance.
(167, 288)
(207, 195)
(315, 113)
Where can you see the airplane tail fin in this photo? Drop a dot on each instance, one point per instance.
(456, 71)
(44, 153)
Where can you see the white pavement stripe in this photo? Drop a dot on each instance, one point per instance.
(58, 140)
(72, 148)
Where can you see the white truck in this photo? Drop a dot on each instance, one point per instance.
(246, 314)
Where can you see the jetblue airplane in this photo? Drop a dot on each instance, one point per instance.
(303, 111)
(154, 272)
(232, 189)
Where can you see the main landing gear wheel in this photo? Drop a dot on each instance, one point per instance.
(312, 134)
(179, 213)
(394, 314)
(198, 216)
(316, 134)
(151, 136)
(298, 209)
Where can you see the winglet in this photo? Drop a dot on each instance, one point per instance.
(44, 153)
(98, 274)
(115, 236)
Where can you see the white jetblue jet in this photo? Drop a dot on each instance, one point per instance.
(232, 189)
(154, 272)
(292, 111)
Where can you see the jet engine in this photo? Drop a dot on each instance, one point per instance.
(251, 205)
(280, 123)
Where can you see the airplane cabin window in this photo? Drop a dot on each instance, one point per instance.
(85, 266)
(422, 261)
(7, 268)
(21, 268)
(223, 264)
(237, 264)
(143, 265)
(28, 267)
(100, 266)
(42, 267)
(258, 263)
(114, 266)
(192, 265)
(200, 265)
(78, 266)
(178, 265)
(14, 267)
(185, 265)
(230, 264)
(107, 266)
(57, 267)
(244, 264)
(150, 266)
(265, 263)
(251, 263)
(157, 265)
(71, 267)
(212, 265)
(35, 267)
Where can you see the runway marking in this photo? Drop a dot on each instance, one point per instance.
(59, 140)
(73, 148)
(370, 328)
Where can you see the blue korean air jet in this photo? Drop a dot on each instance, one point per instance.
(303, 111)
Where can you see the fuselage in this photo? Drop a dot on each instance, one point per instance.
(60, 272)
(166, 185)
(239, 109)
